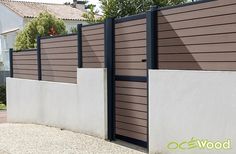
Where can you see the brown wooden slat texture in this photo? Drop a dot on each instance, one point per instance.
(198, 37)
(59, 59)
(25, 64)
(131, 109)
(93, 46)
(130, 46)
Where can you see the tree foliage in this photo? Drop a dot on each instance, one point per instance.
(91, 14)
(44, 25)
(121, 8)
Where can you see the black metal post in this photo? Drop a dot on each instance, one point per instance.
(152, 37)
(39, 58)
(110, 64)
(11, 62)
(79, 44)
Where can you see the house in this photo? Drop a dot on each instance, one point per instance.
(15, 14)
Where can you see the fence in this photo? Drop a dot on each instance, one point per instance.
(194, 37)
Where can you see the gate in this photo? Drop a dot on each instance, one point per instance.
(131, 81)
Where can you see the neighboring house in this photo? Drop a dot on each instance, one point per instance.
(15, 14)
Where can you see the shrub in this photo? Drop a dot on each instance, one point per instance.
(44, 25)
(3, 94)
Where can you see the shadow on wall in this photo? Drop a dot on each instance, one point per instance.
(3, 76)
(173, 51)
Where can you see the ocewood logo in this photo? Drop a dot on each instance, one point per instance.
(201, 144)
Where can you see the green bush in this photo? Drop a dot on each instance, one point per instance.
(44, 25)
(3, 94)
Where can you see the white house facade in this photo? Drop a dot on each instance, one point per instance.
(14, 15)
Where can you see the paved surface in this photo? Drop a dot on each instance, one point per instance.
(3, 116)
(37, 139)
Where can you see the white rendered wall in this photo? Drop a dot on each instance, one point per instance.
(79, 107)
(186, 104)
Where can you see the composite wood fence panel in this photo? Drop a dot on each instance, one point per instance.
(59, 59)
(131, 96)
(93, 46)
(25, 64)
(198, 37)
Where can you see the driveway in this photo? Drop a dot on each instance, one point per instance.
(37, 139)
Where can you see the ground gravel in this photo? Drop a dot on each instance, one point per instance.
(37, 139)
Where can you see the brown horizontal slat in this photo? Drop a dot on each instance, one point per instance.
(25, 71)
(130, 84)
(94, 42)
(59, 56)
(131, 106)
(59, 39)
(225, 47)
(59, 79)
(26, 67)
(133, 58)
(130, 120)
(131, 29)
(93, 59)
(93, 65)
(93, 37)
(207, 57)
(59, 68)
(199, 13)
(209, 66)
(207, 39)
(93, 54)
(131, 91)
(131, 37)
(134, 99)
(135, 65)
(131, 72)
(25, 62)
(25, 53)
(198, 31)
(130, 23)
(131, 113)
(92, 27)
(132, 134)
(196, 7)
(93, 32)
(26, 76)
(223, 19)
(59, 44)
(60, 74)
(62, 50)
(25, 57)
(93, 48)
(130, 44)
(131, 51)
(67, 62)
(134, 128)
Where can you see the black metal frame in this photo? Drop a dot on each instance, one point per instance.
(11, 62)
(79, 46)
(110, 65)
(39, 58)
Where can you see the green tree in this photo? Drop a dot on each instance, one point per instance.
(121, 8)
(44, 25)
(91, 16)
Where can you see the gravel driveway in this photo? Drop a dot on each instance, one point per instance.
(37, 139)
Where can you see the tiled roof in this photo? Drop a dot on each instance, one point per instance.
(32, 9)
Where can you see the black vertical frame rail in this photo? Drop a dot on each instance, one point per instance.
(79, 45)
(152, 38)
(152, 48)
(39, 58)
(11, 62)
(110, 64)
